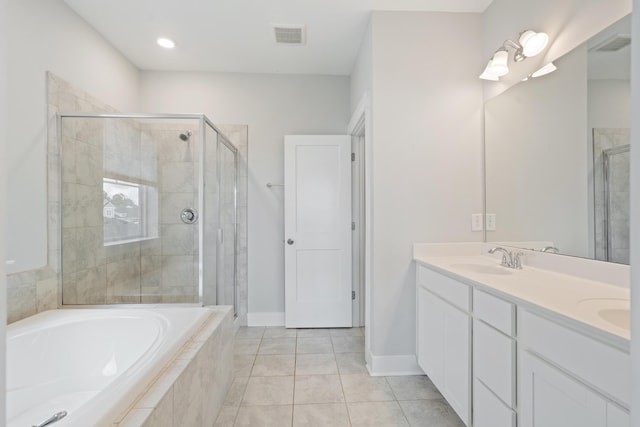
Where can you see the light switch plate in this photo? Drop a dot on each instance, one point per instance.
(491, 222)
(476, 222)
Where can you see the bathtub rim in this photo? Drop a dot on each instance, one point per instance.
(207, 315)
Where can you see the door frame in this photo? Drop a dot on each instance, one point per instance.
(360, 128)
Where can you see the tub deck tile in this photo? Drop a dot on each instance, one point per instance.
(191, 389)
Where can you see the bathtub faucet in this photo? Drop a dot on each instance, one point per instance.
(53, 419)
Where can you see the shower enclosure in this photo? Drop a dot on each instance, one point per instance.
(612, 201)
(148, 210)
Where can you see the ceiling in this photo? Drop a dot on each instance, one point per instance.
(237, 36)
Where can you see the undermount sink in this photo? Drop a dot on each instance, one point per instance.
(619, 317)
(483, 269)
(612, 310)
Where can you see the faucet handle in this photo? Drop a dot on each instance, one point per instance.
(506, 255)
(517, 262)
(505, 261)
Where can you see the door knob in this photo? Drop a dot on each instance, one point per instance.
(290, 242)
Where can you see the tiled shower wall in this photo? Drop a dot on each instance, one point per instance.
(165, 269)
(619, 222)
(162, 268)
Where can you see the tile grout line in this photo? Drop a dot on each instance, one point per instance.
(295, 370)
(346, 404)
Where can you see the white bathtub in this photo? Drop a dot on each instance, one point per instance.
(92, 363)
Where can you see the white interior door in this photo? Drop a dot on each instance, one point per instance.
(317, 225)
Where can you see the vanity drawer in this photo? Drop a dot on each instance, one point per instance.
(606, 368)
(488, 410)
(494, 361)
(496, 312)
(450, 290)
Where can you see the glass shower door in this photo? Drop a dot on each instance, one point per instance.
(226, 260)
(617, 201)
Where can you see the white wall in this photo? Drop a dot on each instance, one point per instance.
(47, 35)
(272, 106)
(569, 23)
(426, 142)
(361, 76)
(3, 206)
(609, 104)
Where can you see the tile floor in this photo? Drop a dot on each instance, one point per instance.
(317, 377)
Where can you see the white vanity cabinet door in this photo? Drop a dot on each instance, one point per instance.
(488, 410)
(550, 398)
(444, 349)
(617, 417)
(430, 335)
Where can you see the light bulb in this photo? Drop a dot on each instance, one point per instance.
(498, 66)
(486, 74)
(533, 43)
(166, 43)
(549, 68)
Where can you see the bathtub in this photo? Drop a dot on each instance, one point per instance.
(91, 363)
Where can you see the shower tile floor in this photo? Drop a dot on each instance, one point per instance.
(317, 377)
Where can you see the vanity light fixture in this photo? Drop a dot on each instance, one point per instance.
(166, 43)
(497, 67)
(530, 43)
(533, 43)
(487, 73)
(547, 69)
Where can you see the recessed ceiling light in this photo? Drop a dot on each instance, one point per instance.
(166, 43)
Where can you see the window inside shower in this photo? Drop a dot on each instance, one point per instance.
(148, 210)
(130, 211)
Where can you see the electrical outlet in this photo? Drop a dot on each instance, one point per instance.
(491, 222)
(476, 222)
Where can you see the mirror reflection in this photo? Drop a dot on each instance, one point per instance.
(557, 154)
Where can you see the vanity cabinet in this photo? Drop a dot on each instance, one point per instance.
(550, 398)
(546, 372)
(494, 361)
(569, 379)
(444, 337)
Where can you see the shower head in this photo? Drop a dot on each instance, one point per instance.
(185, 136)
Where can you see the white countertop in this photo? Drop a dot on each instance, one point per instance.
(576, 301)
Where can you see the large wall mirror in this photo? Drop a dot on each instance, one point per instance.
(557, 154)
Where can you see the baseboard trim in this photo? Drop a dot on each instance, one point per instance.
(265, 319)
(382, 366)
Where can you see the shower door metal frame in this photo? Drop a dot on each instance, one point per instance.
(221, 138)
(606, 168)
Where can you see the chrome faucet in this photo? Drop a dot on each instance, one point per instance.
(509, 260)
(52, 419)
(550, 249)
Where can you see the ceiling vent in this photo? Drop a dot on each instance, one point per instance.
(613, 43)
(289, 34)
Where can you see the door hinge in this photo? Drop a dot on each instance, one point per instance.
(353, 157)
(353, 294)
(353, 226)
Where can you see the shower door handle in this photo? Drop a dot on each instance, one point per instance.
(290, 242)
(220, 235)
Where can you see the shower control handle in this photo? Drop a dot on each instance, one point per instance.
(189, 215)
(290, 242)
